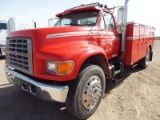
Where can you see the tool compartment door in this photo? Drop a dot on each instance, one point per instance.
(139, 38)
(132, 44)
(141, 42)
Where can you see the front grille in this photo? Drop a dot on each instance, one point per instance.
(19, 54)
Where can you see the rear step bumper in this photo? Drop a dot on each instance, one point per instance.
(43, 91)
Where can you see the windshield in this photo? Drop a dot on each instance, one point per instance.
(85, 18)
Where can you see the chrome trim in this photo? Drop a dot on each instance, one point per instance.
(19, 54)
(52, 92)
(92, 92)
(95, 33)
(138, 37)
(132, 38)
(67, 34)
(123, 36)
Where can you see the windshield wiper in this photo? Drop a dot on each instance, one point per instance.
(74, 24)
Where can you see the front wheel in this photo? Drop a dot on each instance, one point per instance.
(86, 92)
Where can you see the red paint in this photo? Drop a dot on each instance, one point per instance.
(139, 37)
(80, 47)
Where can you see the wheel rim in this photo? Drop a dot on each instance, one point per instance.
(147, 57)
(92, 92)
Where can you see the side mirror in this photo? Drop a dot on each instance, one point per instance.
(120, 19)
(52, 22)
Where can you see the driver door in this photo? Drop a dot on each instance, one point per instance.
(110, 39)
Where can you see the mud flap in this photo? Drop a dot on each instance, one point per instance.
(151, 56)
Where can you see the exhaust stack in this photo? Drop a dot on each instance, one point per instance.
(123, 29)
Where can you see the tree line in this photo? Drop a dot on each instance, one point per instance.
(157, 38)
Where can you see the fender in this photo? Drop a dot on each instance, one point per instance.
(87, 53)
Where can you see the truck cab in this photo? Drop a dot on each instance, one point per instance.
(102, 24)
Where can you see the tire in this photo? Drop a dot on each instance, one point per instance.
(89, 84)
(144, 62)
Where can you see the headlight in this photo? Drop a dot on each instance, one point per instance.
(51, 66)
(60, 68)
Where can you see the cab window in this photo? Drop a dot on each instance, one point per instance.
(108, 20)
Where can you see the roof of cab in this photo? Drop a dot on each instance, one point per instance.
(92, 6)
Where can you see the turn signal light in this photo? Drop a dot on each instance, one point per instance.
(60, 67)
(82, 5)
(65, 67)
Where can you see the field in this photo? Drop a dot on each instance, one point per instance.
(137, 97)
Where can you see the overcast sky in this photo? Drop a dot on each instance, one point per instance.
(140, 11)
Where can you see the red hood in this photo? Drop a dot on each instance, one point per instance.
(51, 41)
(47, 31)
(59, 44)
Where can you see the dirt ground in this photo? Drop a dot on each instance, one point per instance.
(137, 97)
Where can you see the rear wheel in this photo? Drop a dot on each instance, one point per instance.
(86, 92)
(143, 63)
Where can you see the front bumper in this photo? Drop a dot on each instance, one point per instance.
(51, 92)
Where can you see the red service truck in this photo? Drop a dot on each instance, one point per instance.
(72, 61)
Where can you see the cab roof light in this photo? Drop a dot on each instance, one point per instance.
(87, 5)
(82, 5)
(105, 6)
